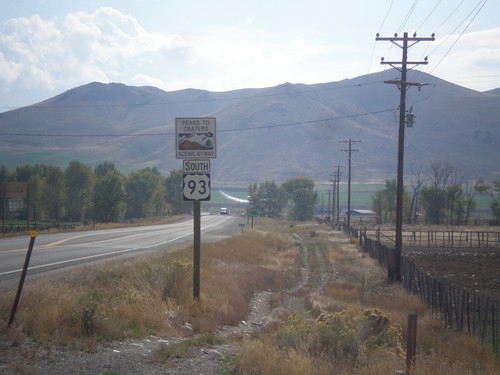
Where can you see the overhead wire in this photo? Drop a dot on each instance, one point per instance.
(402, 25)
(259, 127)
(480, 4)
(449, 16)
(428, 16)
(378, 32)
(408, 15)
(463, 31)
(455, 29)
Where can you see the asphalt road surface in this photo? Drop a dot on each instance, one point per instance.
(61, 251)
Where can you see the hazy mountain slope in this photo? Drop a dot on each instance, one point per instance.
(265, 134)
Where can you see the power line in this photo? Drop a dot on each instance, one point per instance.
(456, 28)
(410, 11)
(462, 33)
(426, 18)
(379, 29)
(386, 15)
(218, 130)
(449, 16)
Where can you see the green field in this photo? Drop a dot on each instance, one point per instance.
(361, 195)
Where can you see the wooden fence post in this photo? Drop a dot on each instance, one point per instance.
(411, 344)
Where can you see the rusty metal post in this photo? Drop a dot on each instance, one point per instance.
(23, 277)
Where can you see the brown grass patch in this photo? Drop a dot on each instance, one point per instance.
(359, 285)
(153, 294)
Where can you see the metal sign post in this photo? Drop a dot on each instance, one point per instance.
(196, 249)
(195, 144)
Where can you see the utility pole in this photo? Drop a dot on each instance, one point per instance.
(338, 193)
(404, 43)
(350, 151)
(334, 194)
(329, 207)
(336, 189)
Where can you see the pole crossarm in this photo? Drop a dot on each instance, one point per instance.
(394, 39)
(399, 83)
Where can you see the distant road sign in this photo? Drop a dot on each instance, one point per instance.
(251, 212)
(196, 187)
(195, 138)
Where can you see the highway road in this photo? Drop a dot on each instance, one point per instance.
(61, 251)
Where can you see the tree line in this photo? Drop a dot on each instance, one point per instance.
(270, 199)
(103, 194)
(443, 196)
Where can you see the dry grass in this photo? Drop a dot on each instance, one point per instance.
(360, 285)
(152, 294)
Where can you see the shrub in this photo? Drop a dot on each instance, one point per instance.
(347, 335)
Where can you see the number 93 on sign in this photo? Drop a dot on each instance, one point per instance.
(196, 187)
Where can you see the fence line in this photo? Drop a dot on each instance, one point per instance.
(439, 238)
(460, 309)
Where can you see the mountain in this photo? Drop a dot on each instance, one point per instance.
(272, 133)
(494, 91)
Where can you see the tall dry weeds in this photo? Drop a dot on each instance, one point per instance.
(152, 294)
(360, 285)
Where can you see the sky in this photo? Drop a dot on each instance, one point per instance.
(50, 46)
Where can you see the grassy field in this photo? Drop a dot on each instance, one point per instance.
(361, 195)
(354, 322)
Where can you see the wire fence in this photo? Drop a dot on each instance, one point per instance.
(468, 311)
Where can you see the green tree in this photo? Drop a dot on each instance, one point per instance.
(304, 198)
(54, 178)
(268, 198)
(46, 187)
(495, 201)
(471, 191)
(24, 173)
(384, 202)
(79, 182)
(143, 189)
(378, 205)
(37, 198)
(108, 195)
(5, 176)
(104, 168)
(173, 194)
(443, 198)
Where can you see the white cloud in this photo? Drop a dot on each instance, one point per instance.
(32, 46)
(107, 45)
(475, 54)
(145, 80)
(100, 46)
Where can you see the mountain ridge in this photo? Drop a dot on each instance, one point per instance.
(270, 133)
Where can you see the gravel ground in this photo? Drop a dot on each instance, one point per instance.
(134, 357)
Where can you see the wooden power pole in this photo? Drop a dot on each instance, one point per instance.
(404, 43)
